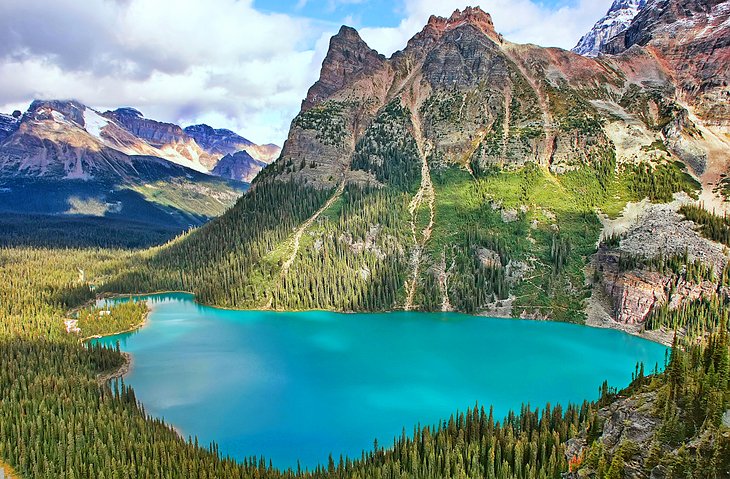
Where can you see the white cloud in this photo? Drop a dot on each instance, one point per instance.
(219, 61)
(176, 60)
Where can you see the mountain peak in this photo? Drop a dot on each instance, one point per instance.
(128, 111)
(470, 15)
(438, 26)
(57, 110)
(348, 56)
(349, 33)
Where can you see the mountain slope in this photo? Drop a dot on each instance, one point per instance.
(691, 39)
(616, 21)
(466, 172)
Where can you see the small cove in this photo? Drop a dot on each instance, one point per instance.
(299, 386)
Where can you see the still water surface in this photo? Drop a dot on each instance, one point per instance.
(299, 386)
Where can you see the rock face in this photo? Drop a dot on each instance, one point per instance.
(679, 30)
(631, 420)
(238, 166)
(616, 21)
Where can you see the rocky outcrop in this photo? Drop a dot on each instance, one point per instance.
(657, 230)
(617, 20)
(238, 166)
(626, 421)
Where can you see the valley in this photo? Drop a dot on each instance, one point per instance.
(62, 162)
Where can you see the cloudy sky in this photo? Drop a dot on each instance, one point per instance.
(239, 64)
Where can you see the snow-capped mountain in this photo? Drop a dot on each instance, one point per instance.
(8, 124)
(62, 158)
(68, 140)
(616, 21)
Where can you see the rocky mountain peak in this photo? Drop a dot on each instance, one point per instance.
(219, 141)
(57, 110)
(8, 124)
(129, 112)
(347, 58)
(665, 20)
(470, 15)
(437, 27)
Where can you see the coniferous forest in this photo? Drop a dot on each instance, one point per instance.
(58, 420)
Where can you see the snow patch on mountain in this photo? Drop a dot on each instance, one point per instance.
(8, 124)
(59, 117)
(94, 122)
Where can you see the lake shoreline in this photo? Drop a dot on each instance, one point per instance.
(659, 336)
(118, 373)
(131, 329)
(258, 353)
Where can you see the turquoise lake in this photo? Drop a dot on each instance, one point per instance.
(299, 386)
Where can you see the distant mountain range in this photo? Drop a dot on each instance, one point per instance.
(65, 158)
(125, 130)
